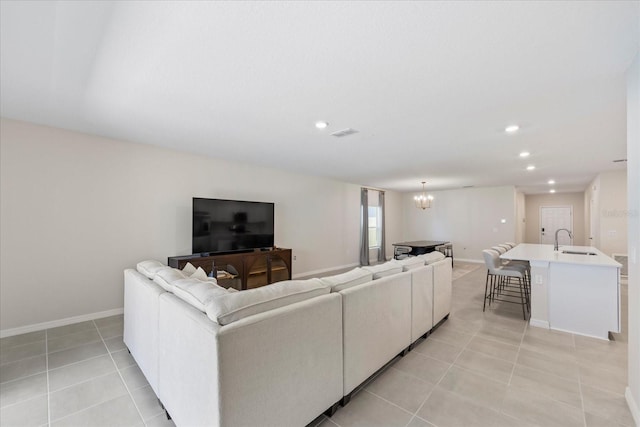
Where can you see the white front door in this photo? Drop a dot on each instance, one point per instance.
(553, 218)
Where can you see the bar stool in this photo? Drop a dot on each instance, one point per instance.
(504, 282)
(504, 247)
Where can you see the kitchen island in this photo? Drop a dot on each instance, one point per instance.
(575, 289)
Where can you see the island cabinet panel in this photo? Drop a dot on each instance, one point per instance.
(584, 300)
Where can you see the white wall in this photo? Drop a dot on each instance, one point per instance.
(76, 210)
(533, 203)
(470, 218)
(613, 211)
(633, 223)
(521, 217)
(606, 200)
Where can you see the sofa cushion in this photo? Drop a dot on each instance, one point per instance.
(411, 263)
(432, 257)
(197, 292)
(383, 270)
(346, 280)
(188, 269)
(199, 274)
(233, 306)
(149, 268)
(166, 276)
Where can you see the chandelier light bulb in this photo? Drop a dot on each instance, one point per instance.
(423, 201)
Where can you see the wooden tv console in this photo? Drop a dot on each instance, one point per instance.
(252, 269)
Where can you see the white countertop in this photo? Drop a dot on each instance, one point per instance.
(536, 252)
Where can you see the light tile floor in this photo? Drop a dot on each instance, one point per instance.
(477, 369)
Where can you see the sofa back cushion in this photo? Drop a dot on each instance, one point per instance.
(383, 270)
(149, 268)
(166, 276)
(432, 257)
(234, 306)
(197, 292)
(188, 269)
(411, 263)
(357, 276)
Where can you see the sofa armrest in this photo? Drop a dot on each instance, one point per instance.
(442, 289)
(280, 367)
(376, 326)
(141, 322)
(421, 301)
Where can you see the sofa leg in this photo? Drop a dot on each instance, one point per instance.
(404, 352)
(161, 405)
(329, 412)
(167, 414)
(345, 400)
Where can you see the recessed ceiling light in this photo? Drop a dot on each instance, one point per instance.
(525, 154)
(552, 191)
(322, 125)
(551, 182)
(530, 167)
(511, 128)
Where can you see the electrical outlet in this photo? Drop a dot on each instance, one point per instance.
(538, 279)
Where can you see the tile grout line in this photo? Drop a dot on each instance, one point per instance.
(126, 386)
(46, 367)
(440, 380)
(584, 414)
(517, 355)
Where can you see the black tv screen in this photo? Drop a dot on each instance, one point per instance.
(231, 225)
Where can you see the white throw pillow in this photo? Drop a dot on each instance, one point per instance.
(167, 276)
(149, 268)
(383, 270)
(189, 269)
(234, 306)
(411, 262)
(432, 257)
(197, 292)
(357, 276)
(200, 274)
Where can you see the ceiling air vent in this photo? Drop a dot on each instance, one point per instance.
(468, 186)
(620, 161)
(344, 132)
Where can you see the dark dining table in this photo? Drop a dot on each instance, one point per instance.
(420, 247)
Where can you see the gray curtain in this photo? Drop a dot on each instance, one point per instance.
(364, 226)
(382, 256)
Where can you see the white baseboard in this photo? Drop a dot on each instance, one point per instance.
(475, 261)
(324, 270)
(539, 323)
(61, 322)
(633, 406)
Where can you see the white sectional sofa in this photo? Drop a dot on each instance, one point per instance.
(278, 355)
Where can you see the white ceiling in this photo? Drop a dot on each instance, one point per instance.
(430, 86)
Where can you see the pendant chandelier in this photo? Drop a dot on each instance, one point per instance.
(423, 201)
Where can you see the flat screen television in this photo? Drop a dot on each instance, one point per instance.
(221, 226)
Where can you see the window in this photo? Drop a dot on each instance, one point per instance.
(375, 226)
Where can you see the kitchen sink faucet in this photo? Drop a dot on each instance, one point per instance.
(555, 243)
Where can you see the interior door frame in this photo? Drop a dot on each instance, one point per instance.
(540, 219)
